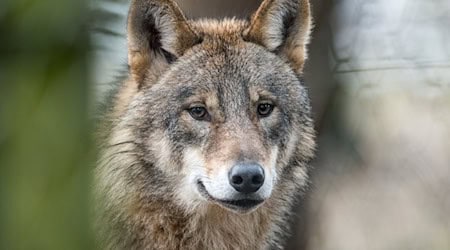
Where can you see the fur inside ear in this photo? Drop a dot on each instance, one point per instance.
(158, 33)
(283, 27)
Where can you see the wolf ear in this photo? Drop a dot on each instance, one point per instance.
(158, 33)
(283, 27)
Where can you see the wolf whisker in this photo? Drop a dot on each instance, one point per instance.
(121, 143)
(108, 158)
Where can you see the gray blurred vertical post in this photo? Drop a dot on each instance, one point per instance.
(382, 169)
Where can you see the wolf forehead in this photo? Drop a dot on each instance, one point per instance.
(233, 77)
(228, 29)
(223, 61)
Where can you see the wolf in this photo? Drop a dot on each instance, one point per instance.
(206, 142)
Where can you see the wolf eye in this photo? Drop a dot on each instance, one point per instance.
(199, 113)
(264, 109)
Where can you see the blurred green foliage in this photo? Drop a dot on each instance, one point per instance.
(45, 153)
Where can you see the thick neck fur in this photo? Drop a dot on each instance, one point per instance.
(162, 226)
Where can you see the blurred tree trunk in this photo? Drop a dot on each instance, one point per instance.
(382, 169)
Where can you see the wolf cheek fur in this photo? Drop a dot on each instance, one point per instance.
(206, 143)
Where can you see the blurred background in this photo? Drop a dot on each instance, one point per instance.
(379, 79)
(45, 152)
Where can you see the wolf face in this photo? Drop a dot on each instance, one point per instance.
(214, 113)
(223, 121)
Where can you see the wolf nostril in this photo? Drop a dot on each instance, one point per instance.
(237, 179)
(246, 178)
(258, 179)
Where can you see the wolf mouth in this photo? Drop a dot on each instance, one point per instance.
(242, 205)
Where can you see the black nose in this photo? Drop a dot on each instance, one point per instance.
(246, 178)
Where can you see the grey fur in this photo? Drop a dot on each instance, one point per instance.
(148, 135)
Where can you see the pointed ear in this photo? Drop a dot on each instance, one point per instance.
(158, 33)
(283, 27)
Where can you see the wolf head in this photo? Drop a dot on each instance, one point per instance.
(214, 112)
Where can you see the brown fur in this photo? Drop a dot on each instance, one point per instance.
(294, 46)
(140, 174)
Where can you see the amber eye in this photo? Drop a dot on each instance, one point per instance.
(265, 109)
(199, 113)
